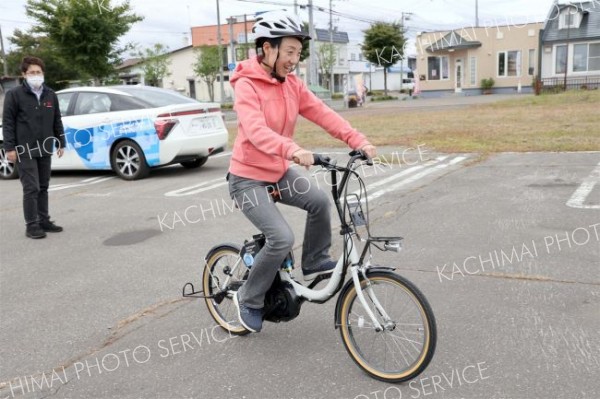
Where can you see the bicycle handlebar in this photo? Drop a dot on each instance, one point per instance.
(323, 160)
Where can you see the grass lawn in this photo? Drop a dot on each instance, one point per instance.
(554, 122)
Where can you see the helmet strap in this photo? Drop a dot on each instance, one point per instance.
(274, 73)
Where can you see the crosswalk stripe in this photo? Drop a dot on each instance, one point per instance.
(405, 172)
(86, 182)
(414, 177)
(197, 188)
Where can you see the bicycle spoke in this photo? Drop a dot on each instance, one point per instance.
(391, 352)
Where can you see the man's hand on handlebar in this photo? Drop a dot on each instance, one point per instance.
(303, 157)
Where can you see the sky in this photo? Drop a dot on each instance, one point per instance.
(168, 21)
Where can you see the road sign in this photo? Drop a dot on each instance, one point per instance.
(231, 66)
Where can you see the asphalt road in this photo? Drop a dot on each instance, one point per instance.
(506, 250)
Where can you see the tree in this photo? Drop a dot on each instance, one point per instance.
(85, 32)
(306, 44)
(207, 67)
(327, 57)
(155, 64)
(58, 70)
(242, 51)
(384, 45)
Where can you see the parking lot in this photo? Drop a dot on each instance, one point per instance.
(506, 249)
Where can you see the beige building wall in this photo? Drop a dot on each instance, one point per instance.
(515, 45)
(183, 79)
(181, 69)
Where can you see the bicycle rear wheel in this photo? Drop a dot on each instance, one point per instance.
(223, 275)
(406, 345)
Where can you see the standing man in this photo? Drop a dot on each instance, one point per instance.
(33, 130)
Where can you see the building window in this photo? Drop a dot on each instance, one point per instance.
(437, 68)
(509, 63)
(594, 57)
(531, 70)
(473, 71)
(586, 57)
(580, 57)
(241, 38)
(352, 57)
(569, 19)
(560, 61)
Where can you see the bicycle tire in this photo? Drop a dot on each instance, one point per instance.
(350, 325)
(220, 304)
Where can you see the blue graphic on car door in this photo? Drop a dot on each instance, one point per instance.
(93, 144)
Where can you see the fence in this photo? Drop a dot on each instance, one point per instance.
(573, 83)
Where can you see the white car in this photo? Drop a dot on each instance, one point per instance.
(408, 84)
(131, 129)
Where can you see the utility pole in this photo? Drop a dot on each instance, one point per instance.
(246, 35)
(331, 83)
(312, 70)
(477, 13)
(231, 21)
(569, 16)
(222, 98)
(405, 16)
(3, 54)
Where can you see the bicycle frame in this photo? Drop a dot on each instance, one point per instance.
(348, 258)
(334, 284)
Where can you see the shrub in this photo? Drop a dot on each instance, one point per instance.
(487, 84)
(383, 98)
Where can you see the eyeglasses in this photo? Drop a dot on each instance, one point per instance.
(34, 73)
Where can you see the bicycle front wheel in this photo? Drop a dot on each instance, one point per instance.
(405, 345)
(223, 275)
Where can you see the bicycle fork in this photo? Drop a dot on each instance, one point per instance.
(388, 323)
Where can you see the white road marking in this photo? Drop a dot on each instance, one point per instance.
(413, 178)
(404, 173)
(197, 188)
(431, 166)
(93, 195)
(224, 154)
(86, 182)
(578, 198)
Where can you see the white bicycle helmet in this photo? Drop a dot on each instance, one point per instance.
(275, 24)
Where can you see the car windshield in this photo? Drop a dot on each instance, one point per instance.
(157, 97)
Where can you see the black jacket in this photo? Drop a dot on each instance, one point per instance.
(33, 128)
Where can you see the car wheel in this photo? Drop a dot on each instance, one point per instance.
(196, 163)
(128, 161)
(8, 170)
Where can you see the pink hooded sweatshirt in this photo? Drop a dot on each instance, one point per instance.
(267, 112)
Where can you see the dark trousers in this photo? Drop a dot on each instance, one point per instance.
(34, 174)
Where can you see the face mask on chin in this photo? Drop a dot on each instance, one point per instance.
(35, 82)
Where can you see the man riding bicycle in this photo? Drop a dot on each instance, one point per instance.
(268, 101)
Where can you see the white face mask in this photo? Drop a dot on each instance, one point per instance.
(35, 81)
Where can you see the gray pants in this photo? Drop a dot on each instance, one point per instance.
(254, 200)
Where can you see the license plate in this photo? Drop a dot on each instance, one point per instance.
(200, 125)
